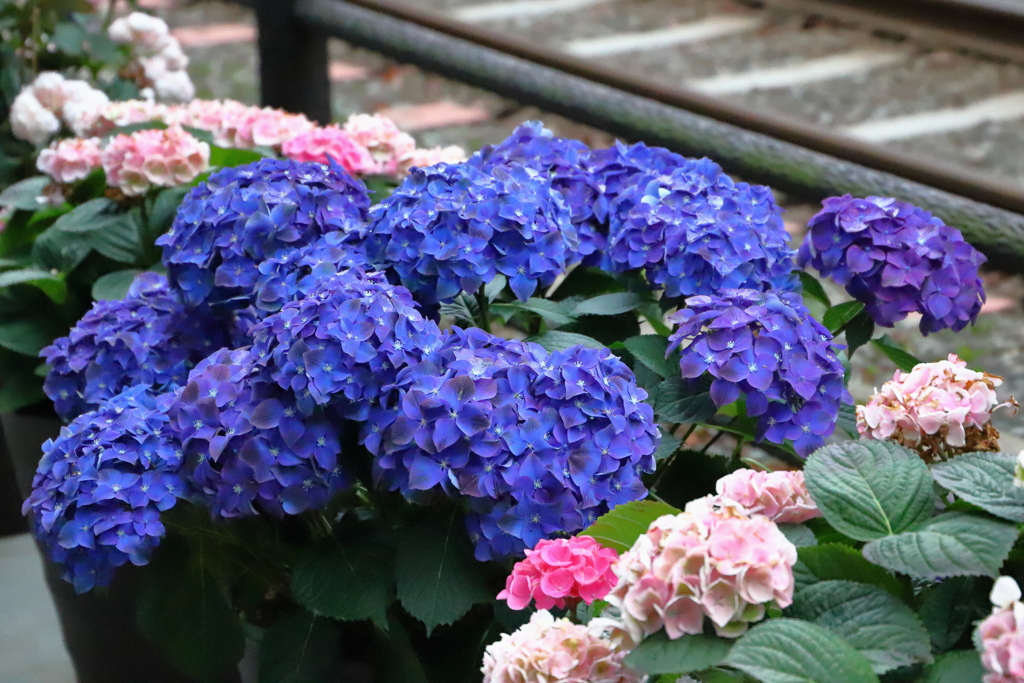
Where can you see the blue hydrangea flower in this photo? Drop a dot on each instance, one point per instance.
(768, 348)
(247, 447)
(148, 338)
(240, 217)
(101, 485)
(451, 228)
(539, 443)
(344, 343)
(693, 230)
(896, 259)
(564, 163)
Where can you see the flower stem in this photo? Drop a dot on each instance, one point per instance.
(482, 303)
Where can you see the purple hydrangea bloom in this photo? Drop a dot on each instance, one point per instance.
(540, 444)
(344, 343)
(564, 163)
(896, 259)
(768, 348)
(148, 338)
(247, 447)
(451, 228)
(240, 217)
(693, 230)
(101, 485)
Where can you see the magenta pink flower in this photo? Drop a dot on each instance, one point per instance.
(70, 159)
(561, 570)
(1001, 635)
(714, 560)
(780, 496)
(330, 141)
(549, 650)
(380, 136)
(134, 163)
(940, 409)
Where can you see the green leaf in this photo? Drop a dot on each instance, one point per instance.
(985, 480)
(858, 332)
(610, 304)
(222, 157)
(951, 544)
(114, 285)
(680, 400)
(878, 625)
(69, 38)
(438, 578)
(120, 240)
(813, 288)
(549, 310)
(494, 288)
(799, 535)
(847, 420)
(19, 390)
(869, 489)
(559, 341)
(949, 608)
(903, 360)
(792, 651)
(659, 655)
(299, 648)
(59, 250)
(620, 527)
(51, 285)
(26, 336)
(348, 582)
(837, 316)
(25, 194)
(136, 127)
(394, 656)
(650, 349)
(667, 446)
(162, 212)
(87, 217)
(835, 562)
(961, 666)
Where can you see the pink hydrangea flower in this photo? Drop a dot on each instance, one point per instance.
(127, 113)
(134, 163)
(382, 138)
(549, 650)
(70, 160)
(939, 409)
(560, 570)
(711, 560)
(780, 496)
(428, 157)
(1001, 635)
(330, 141)
(267, 127)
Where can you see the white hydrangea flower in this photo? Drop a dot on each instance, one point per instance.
(31, 121)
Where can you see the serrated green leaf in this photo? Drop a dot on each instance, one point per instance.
(25, 194)
(438, 578)
(299, 648)
(51, 285)
(223, 158)
(859, 332)
(961, 666)
(346, 581)
(494, 288)
(87, 217)
(559, 341)
(949, 608)
(119, 240)
(903, 360)
(792, 651)
(25, 336)
(114, 285)
(951, 544)
(59, 250)
(812, 288)
(620, 527)
(548, 310)
(799, 535)
(610, 304)
(840, 314)
(877, 624)
(835, 562)
(650, 349)
(680, 400)
(161, 213)
(869, 489)
(667, 446)
(985, 480)
(847, 420)
(659, 655)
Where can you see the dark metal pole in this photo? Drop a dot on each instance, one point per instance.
(293, 61)
(755, 156)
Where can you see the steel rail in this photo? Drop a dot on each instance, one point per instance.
(755, 147)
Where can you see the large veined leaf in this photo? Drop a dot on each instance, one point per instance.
(877, 624)
(348, 582)
(51, 284)
(549, 310)
(949, 608)
(87, 217)
(961, 666)
(985, 480)
(649, 349)
(869, 489)
(25, 194)
(951, 544)
(903, 360)
(680, 400)
(840, 314)
(299, 648)
(836, 562)
(559, 341)
(620, 527)
(659, 655)
(114, 285)
(812, 288)
(610, 304)
(798, 534)
(793, 651)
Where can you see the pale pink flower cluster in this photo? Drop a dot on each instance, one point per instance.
(51, 101)
(936, 408)
(712, 560)
(381, 137)
(549, 650)
(422, 158)
(134, 163)
(559, 570)
(330, 141)
(157, 52)
(780, 496)
(70, 160)
(1001, 635)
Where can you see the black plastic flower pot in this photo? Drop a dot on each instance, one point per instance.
(99, 627)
